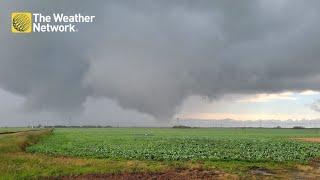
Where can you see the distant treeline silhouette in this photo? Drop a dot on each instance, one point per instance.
(64, 126)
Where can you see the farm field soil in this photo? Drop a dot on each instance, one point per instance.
(310, 139)
(172, 174)
(16, 163)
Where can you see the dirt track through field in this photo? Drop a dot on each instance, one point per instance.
(301, 172)
(311, 139)
(175, 175)
(11, 132)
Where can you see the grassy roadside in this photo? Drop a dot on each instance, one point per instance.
(4, 130)
(17, 164)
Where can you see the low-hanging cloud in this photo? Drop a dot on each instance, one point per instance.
(149, 56)
(316, 105)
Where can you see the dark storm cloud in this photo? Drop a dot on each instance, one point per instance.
(150, 55)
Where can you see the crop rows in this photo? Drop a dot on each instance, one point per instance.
(150, 147)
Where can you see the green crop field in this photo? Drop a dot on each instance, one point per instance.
(196, 153)
(212, 144)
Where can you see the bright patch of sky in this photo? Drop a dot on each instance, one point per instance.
(280, 106)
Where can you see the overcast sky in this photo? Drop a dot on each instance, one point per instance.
(146, 62)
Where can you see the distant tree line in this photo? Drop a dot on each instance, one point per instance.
(64, 126)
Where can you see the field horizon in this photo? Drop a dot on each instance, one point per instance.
(113, 153)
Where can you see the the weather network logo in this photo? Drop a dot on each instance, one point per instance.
(21, 22)
(27, 22)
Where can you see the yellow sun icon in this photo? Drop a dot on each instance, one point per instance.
(21, 22)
